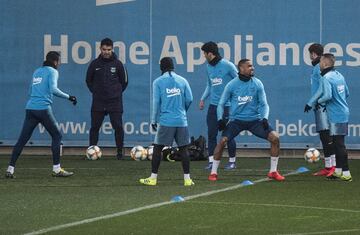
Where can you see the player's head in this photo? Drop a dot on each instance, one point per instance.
(166, 65)
(106, 47)
(246, 68)
(316, 50)
(210, 50)
(327, 61)
(52, 59)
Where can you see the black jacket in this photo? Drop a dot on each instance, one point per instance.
(106, 80)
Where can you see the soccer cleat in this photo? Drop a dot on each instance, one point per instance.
(230, 166)
(62, 173)
(333, 176)
(188, 182)
(209, 166)
(148, 181)
(346, 178)
(276, 176)
(8, 175)
(325, 172)
(213, 177)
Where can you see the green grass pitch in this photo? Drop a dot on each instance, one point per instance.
(303, 204)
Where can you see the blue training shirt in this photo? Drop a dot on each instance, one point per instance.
(172, 97)
(218, 76)
(335, 93)
(247, 100)
(43, 87)
(316, 85)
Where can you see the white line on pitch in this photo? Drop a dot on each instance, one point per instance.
(131, 211)
(278, 205)
(325, 232)
(70, 168)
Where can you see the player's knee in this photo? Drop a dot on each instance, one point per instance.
(157, 150)
(223, 141)
(325, 137)
(274, 138)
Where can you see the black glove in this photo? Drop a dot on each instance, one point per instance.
(73, 99)
(265, 124)
(154, 126)
(307, 108)
(221, 125)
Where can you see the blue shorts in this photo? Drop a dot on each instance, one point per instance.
(166, 135)
(321, 120)
(255, 127)
(338, 128)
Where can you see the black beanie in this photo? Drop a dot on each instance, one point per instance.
(210, 47)
(166, 64)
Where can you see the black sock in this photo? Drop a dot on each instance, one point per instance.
(327, 143)
(156, 159)
(185, 159)
(341, 152)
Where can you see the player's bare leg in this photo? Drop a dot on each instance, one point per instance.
(274, 140)
(217, 157)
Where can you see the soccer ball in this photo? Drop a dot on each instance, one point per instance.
(93, 152)
(138, 153)
(312, 155)
(150, 151)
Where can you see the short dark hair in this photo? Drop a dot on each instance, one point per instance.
(210, 47)
(53, 56)
(330, 57)
(107, 42)
(166, 65)
(317, 49)
(242, 61)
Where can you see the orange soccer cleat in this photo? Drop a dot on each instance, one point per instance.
(325, 171)
(276, 176)
(213, 177)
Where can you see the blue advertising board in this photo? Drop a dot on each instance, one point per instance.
(275, 35)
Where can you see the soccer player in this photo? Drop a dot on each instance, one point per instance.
(38, 110)
(172, 97)
(321, 120)
(249, 110)
(107, 79)
(334, 96)
(219, 72)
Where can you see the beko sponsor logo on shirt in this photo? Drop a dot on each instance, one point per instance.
(216, 81)
(172, 91)
(37, 80)
(244, 99)
(340, 88)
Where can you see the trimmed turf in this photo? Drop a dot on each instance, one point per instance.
(301, 204)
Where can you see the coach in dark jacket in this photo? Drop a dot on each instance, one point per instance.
(107, 79)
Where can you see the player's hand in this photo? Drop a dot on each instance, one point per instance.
(221, 125)
(73, 99)
(154, 126)
(265, 124)
(201, 105)
(307, 108)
